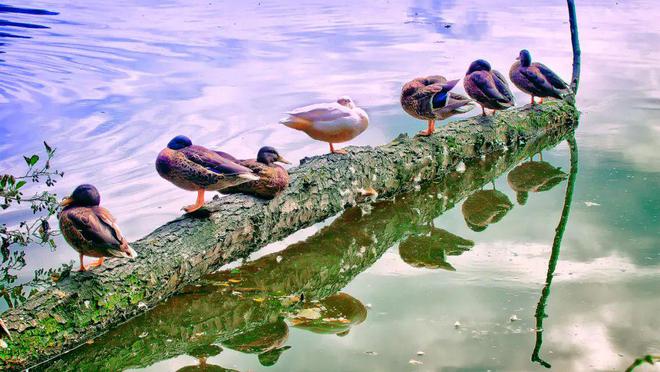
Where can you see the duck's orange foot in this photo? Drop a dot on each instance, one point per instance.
(192, 208)
(97, 263)
(198, 204)
(424, 133)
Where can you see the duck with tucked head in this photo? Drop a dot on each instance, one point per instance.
(487, 86)
(429, 98)
(536, 79)
(273, 179)
(332, 122)
(196, 168)
(91, 229)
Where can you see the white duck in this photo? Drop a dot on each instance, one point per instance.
(332, 122)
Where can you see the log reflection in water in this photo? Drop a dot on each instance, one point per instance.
(226, 306)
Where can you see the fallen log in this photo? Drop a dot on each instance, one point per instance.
(226, 306)
(83, 305)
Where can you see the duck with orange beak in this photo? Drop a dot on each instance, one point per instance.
(91, 229)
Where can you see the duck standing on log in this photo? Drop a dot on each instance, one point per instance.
(536, 79)
(196, 168)
(273, 179)
(91, 229)
(429, 98)
(488, 87)
(332, 122)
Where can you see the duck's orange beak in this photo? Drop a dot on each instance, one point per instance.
(282, 160)
(65, 202)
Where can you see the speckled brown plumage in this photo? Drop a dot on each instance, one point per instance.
(92, 231)
(536, 79)
(488, 87)
(196, 168)
(417, 99)
(272, 180)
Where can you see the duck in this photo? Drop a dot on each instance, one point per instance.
(429, 98)
(487, 86)
(536, 79)
(333, 122)
(196, 168)
(91, 229)
(273, 178)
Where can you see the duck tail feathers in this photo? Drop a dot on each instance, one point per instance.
(296, 122)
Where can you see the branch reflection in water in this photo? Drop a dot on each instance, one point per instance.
(554, 255)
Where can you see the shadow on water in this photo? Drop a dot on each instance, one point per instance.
(250, 309)
(8, 27)
(554, 255)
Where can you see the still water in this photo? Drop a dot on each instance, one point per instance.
(109, 83)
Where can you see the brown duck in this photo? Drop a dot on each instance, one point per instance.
(273, 179)
(430, 98)
(91, 229)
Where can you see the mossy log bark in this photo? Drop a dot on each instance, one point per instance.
(83, 305)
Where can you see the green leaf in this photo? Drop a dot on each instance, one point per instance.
(48, 148)
(34, 159)
(20, 184)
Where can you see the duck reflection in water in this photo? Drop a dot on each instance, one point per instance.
(534, 176)
(485, 207)
(335, 314)
(266, 340)
(202, 353)
(430, 250)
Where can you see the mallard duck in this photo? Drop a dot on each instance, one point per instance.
(272, 177)
(196, 168)
(534, 176)
(91, 229)
(536, 79)
(488, 87)
(429, 98)
(332, 122)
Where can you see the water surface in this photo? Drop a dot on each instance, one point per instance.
(109, 83)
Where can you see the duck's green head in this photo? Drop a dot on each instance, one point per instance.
(179, 142)
(525, 58)
(83, 196)
(478, 65)
(268, 155)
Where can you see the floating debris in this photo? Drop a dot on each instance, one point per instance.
(460, 167)
(591, 204)
(513, 318)
(373, 353)
(420, 353)
(457, 324)
(368, 306)
(415, 362)
(278, 259)
(309, 313)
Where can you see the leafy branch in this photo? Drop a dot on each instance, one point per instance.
(43, 204)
